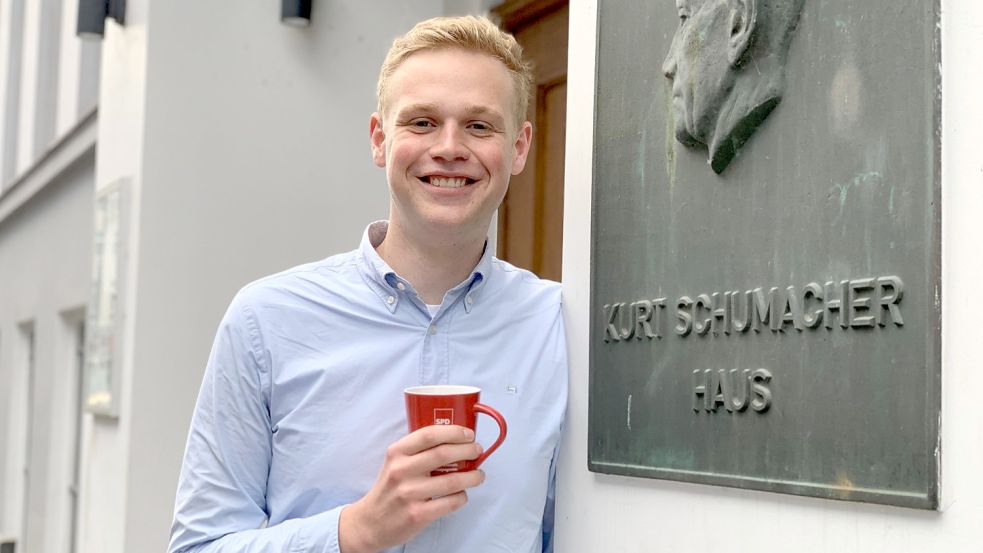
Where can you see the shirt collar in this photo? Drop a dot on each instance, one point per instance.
(389, 286)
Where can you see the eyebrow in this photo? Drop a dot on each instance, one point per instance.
(471, 111)
(485, 112)
(415, 108)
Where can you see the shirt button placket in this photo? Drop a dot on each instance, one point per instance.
(440, 339)
(428, 368)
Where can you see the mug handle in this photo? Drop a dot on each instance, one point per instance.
(502, 430)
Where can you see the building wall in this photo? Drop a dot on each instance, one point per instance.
(45, 250)
(47, 170)
(611, 513)
(47, 78)
(119, 155)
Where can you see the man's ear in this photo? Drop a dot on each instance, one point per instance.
(377, 137)
(523, 141)
(743, 29)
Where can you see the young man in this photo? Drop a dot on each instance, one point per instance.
(298, 441)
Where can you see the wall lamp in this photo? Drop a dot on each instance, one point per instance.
(296, 13)
(92, 16)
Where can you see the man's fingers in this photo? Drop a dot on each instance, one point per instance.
(430, 436)
(446, 454)
(452, 483)
(441, 506)
(425, 462)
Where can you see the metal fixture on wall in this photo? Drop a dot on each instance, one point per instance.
(92, 16)
(296, 13)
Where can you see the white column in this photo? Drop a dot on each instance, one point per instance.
(577, 488)
(28, 85)
(5, 14)
(69, 64)
(962, 267)
(106, 442)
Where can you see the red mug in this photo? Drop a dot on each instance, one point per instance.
(458, 405)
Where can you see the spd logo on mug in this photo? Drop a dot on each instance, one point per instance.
(443, 416)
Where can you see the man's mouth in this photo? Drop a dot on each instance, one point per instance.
(447, 182)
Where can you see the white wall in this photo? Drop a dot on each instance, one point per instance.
(601, 513)
(46, 77)
(119, 155)
(45, 252)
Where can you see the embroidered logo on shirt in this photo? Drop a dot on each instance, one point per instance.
(512, 389)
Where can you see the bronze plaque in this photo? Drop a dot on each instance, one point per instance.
(765, 266)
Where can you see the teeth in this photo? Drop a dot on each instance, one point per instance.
(448, 182)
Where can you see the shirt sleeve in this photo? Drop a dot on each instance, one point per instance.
(220, 506)
(549, 511)
(550, 508)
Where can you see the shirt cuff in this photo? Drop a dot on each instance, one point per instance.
(319, 533)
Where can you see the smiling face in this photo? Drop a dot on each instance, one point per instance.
(698, 66)
(448, 142)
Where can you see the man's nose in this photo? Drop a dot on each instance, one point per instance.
(669, 64)
(450, 144)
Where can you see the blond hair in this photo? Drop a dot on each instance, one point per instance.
(474, 34)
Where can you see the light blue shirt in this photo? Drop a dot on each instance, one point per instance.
(303, 393)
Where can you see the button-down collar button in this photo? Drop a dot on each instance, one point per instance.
(433, 328)
(401, 286)
(391, 300)
(470, 300)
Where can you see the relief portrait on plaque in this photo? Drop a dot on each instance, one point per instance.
(727, 67)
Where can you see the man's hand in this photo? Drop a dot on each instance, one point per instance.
(405, 499)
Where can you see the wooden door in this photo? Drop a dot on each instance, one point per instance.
(530, 221)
